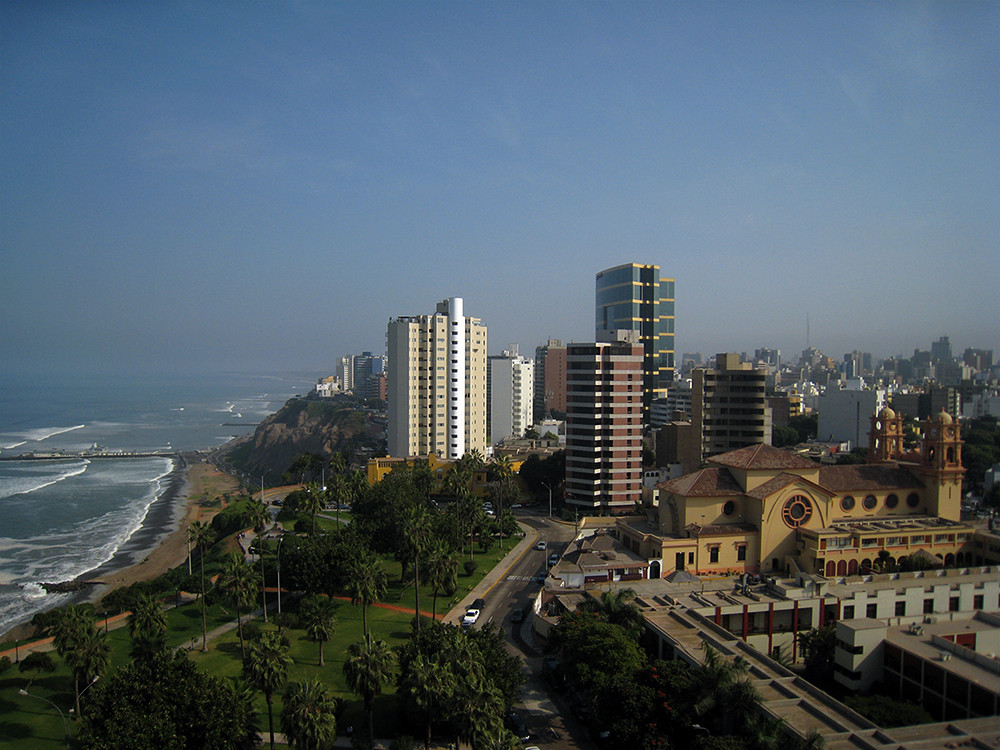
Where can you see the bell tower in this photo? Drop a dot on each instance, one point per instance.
(941, 465)
(885, 438)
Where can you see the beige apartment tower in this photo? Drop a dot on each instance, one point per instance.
(729, 406)
(436, 385)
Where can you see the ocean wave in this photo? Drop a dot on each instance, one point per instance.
(44, 433)
(12, 446)
(30, 480)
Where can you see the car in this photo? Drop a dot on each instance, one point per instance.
(479, 603)
(470, 618)
(516, 724)
(540, 545)
(540, 577)
(519, 614)
(553, 559)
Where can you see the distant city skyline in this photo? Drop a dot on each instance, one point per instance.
(190, 188)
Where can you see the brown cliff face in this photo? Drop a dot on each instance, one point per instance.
(304, 426)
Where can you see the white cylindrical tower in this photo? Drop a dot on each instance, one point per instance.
(456, 378)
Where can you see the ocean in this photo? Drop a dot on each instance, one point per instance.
(62, 518)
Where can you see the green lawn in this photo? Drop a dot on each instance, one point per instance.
(28, 722)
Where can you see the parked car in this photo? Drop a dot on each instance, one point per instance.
(519, 614)
(479, 604)
(470, 618)
(540, 577)
(516, 724)
(553, 559)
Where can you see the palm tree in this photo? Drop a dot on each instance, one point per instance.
(370, 665)
(366, 582)
(266, 669)
(259, 517)
(309, 715)
(239, 583)
(67, 624)
(416, 531)
(617, 608)
(442, 570)
(311, 503)
(317, 615)
(724, 698)
(431, 685)
(201, 536)
(147, 626)
(89, 658)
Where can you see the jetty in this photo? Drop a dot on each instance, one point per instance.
(89, 454)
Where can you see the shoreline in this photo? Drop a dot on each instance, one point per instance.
(160, 542)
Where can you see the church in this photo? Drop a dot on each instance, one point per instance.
(763, 510)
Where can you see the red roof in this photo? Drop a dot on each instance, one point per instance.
(762, 456)
(857, 477)
(703, 483)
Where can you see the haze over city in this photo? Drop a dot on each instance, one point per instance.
(206, 186)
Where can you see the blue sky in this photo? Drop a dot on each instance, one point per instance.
(263, 185)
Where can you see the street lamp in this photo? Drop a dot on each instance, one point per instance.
(550, 497)
(22, 691)
(92, 683)
(278, 568)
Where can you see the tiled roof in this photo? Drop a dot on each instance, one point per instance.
(778, 483)
(858, 477)
(703, 483)
(720, 529)
(762, 456)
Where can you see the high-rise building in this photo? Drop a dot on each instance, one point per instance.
(511, 404)
(941, 350)
(729, 405)
(550, 378)
(436, 384)
(634, 297)
(604, 425)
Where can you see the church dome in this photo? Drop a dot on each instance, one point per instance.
(944, 417)
(887, 413)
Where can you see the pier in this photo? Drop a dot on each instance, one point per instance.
(88, 454)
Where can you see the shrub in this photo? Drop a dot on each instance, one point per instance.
(470, 567)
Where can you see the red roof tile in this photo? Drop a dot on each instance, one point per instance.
(703, 483)
(856, 477)
(762, 456)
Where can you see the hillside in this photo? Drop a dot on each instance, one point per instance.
(304, 426)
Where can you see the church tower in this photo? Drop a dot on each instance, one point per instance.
(885, 439)
(941, 466)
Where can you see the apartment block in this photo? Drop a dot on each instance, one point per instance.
(729, 405)
(511, 382)
(436, 383)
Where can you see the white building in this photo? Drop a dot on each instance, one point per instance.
(845, 414)
(511, 383)
(436, 384)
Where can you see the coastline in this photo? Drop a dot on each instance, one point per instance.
(160, 543)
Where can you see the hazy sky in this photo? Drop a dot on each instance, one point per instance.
(262, 185)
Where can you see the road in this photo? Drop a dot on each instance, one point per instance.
(547, 713)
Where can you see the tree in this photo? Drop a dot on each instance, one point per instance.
(260, 517)
(36, 661)
(370, 665)
(89, 658)
(593, 650)
(238, 583)
(888, 712)
(416, 529)
(311, 504)
(724, 698)
(442, 570)
(431, 686)
(818, 647)
(266, 669)
(147, 626)
(309, 715)
(366, 582)
(618, 608)
(201, 536)
(167, 703)
(317, 616)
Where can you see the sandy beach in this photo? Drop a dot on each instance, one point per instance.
(161, 542)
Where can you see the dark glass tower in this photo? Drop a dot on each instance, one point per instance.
(634, 297)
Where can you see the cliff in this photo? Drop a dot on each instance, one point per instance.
(304, 426)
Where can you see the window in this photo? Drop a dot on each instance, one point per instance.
(871, 611)
(729, 508)
(891, 500)
(977, 601)
(869, 502)
(796, 511)
(848, 612)
(846, 503)
(901, 609)
(691, 559)
(713, 555)
(741, 552)
(953, 604)
(913, 500)
(928, 606)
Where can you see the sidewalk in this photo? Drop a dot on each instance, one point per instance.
(491, 579)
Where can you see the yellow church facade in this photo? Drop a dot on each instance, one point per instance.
(763, 510)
